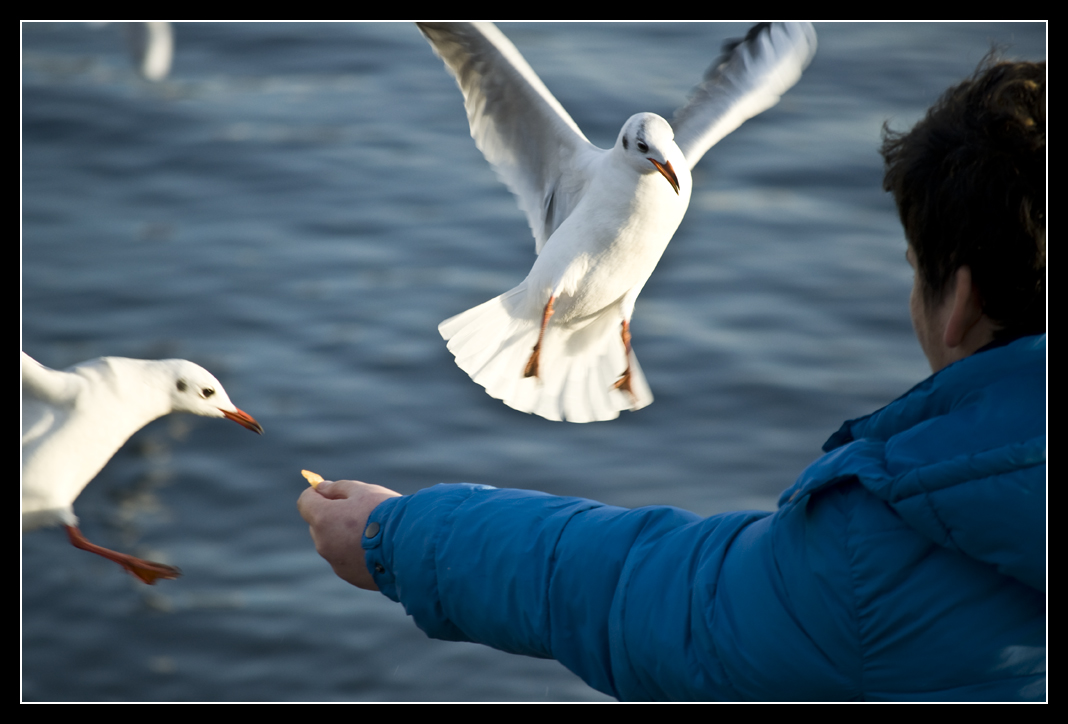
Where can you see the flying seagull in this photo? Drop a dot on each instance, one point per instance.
(559, 345)
(74, 421)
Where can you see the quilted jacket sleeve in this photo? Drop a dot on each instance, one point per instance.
(624, 598)
(833, 597)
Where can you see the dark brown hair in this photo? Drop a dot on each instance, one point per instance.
(969, 181)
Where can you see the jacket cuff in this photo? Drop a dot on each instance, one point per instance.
(405, 569)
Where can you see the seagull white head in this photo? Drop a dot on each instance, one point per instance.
(647, 142)
(196, 390)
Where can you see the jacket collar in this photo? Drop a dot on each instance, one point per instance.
(939, 392)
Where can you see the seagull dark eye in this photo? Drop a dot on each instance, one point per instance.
(643, 146)
(181, 385)
(625, 144)
(207, 392)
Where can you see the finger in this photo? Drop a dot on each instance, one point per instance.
(333, 489)
(310, 504)
(339, 489)
(313, 502)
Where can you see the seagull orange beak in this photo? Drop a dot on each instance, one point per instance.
(243, 419)
(669, 173)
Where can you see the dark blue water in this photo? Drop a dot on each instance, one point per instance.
(300, 205)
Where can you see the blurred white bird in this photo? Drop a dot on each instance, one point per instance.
(558, 345)
(74, 421)
(151, 48)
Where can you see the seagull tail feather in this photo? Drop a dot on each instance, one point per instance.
(579, 364)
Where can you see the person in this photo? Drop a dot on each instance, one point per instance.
(906, 563)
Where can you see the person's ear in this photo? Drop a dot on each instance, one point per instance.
(966, 310)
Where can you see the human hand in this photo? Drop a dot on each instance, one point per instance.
(337, 513)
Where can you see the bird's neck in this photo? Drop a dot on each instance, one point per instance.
(141, 388)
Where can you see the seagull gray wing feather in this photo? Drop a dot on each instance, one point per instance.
(522, 130)
(747, 79)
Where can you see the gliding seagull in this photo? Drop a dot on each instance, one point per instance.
(74, 421)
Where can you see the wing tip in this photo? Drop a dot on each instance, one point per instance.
(752, 42)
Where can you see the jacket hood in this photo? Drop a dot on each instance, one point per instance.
(961, 457)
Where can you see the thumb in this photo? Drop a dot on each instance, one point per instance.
(334, 489)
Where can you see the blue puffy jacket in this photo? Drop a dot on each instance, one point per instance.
(907, 563)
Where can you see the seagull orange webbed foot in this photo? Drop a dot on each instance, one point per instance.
(147, 571)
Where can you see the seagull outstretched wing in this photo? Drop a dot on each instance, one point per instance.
(522, 130)
(748, 78)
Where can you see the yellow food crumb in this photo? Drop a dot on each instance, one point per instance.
(313, 478)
